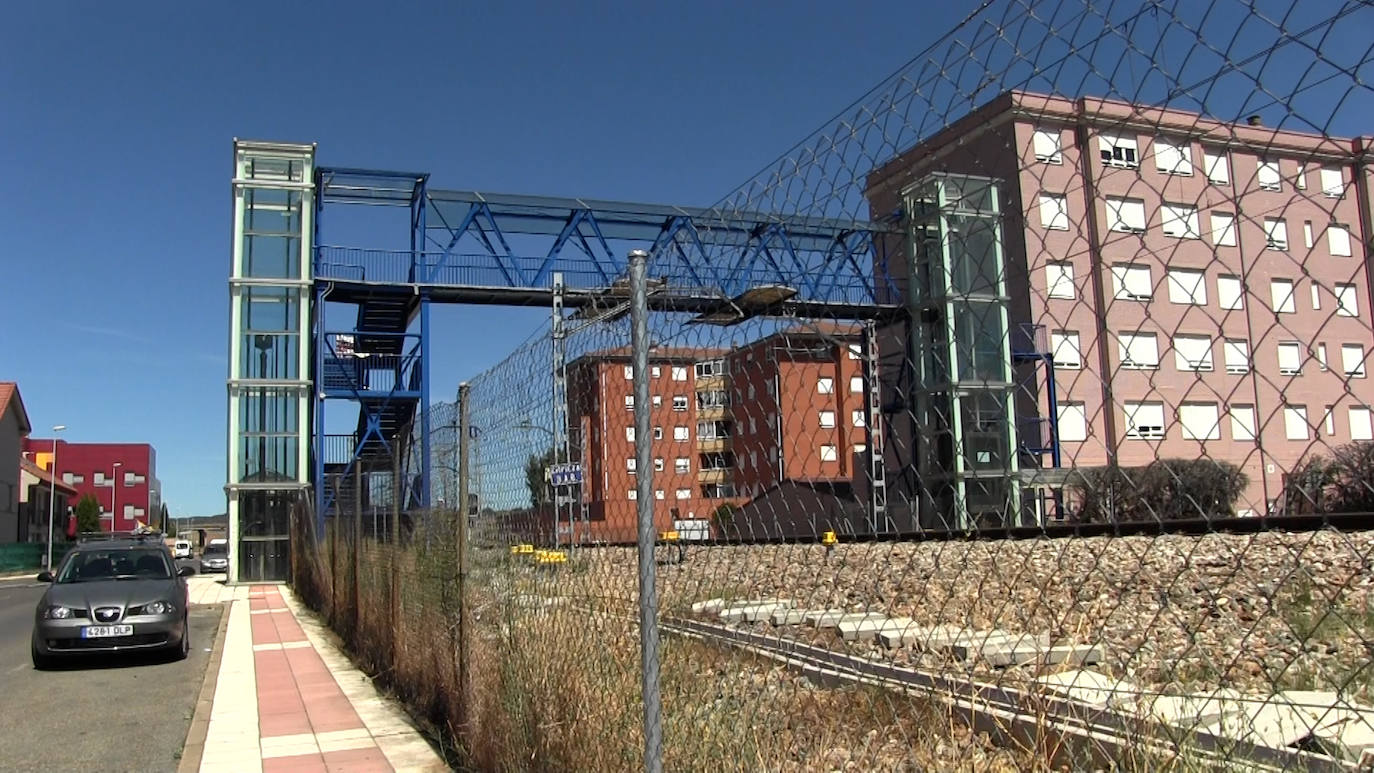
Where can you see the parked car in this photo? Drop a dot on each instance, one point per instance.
(182, 549)
(112, 594)
(215, 558)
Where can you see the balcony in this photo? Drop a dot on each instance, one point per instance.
(712, 381)
(713, 445)
(714, 475)
(711, 411)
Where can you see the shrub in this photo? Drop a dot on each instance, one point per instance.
(1342, 484)
(1164, 490)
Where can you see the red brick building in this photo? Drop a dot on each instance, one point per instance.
(121, 476)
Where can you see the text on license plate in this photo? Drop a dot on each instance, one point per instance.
(101, 631)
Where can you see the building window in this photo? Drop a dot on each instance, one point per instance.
(825, 386)
(1054, 211)
(1200, 421)
(1242, 422)
(1138, 351)
(1290, 358)
(1321, 356)
(1276, 233)
(658, 464)
(829, 454)
(630, 434)
(658, 493)
(1300, 178)
(715, 398)
(658, 433)
(629, 402)
(629, 372)
(99, 479)
(1144, 420)
(1126, 215)
(827, 419)
(630, 465)
(1119, 151)
(855, 351)
(1223, 229)
(1307, 240)
(1346, 305)
(1361, 426)
(1059, 279)
(1066, 349)
(632, 495)
(710, 368)
(1171, 158)
(1192, 352)
(1180, 220)
(655, 372)
(1333, 183)
(1187, 286)
(856, 384)
(1316, 296)
(713, 430)
(1230, 293)
(1269, 178)
(1338, 240)
(657, 401)
(682, 434)
(679, 373)
(1281, 296)
(1352, 360)
(857, 419)
(684, 493)
(679, 402)
(1132, 282)
(682, 465)
(1214, 163)
(1048, 147)
(1295, 424)
(1236, 352)
(1073, 422)
(1329, 419)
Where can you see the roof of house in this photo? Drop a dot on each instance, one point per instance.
(9, 395)
(45, 477)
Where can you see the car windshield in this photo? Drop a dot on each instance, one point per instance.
(116, 564)
(215, 550)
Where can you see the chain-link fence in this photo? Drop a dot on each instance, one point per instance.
(1028, 427)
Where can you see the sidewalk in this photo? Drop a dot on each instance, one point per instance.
(286, 699)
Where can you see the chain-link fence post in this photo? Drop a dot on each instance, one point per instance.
(644, 487)
(464, 613)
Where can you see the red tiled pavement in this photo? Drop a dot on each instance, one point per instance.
(301, 763)
(356, 761)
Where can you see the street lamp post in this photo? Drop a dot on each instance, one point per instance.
(52, 493)
(114, 495)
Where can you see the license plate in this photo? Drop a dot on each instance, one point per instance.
(102, 631)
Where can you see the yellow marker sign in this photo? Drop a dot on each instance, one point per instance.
(668, 536)
(829, 538)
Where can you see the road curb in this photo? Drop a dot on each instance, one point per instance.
(194, 748)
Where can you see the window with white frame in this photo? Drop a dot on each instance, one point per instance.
(1173, 157)
(1217, 169)
(1054, 211)
(629, 372)
(1119, 150)
(710, 368)
(1316, 295)
(1144, 420)
(1223, 229)
(682, 434)
(658, 433)
(632, 495)
(629, 402)
(1059, 279)
(1138, 351)
(1132, 282)
(1361, 425)
(856, 418)
(1268, 176)
(658, 464)
(1067, 349)
(1290, 358)
(1073, 422)
(1307, 240)
(679, 373)
(855, 351)
(683, 493)
(679, 403)
(1230, 292)
(829, 453)
(825, 385)
(1295, 425)
(1338, 240)
(682, 464)
(1188, 286)
(1352, 360)
(1180, 220)
(1281, 296)
(655, 372)
(630, 434)
(827, 419)
(1126, 214)
(1346, 303)
(1300, 177)
(1047, 146)
(630, 465)
(1333, 183)
(657, 401)
(1192, 352)
(1321, 356)
(1242, 422)
(658, 493)
(1199, 421)
(856, 384)
(1329, 419)
(1236, 352)
(1276, 233)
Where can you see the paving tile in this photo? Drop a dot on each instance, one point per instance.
(292, 723)
(357, 761)
(341, 740)
(301, 763)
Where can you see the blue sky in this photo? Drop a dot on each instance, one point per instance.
(116, 122)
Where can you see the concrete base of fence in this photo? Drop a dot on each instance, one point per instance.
(873, 627)
(1092, 688)
(753, 611)
(788, 616)
(829, 618)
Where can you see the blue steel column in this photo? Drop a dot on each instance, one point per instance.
(317, 400)
(417, 247)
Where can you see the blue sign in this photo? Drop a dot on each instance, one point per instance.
(565, 474)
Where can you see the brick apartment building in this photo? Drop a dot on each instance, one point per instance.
(1202, 285)
(130, 490)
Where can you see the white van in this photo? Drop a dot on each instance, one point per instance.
(182, 549)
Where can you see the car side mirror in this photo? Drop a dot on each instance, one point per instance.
(186, 571)
(45, 576)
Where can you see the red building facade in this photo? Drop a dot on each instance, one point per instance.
(121, 476)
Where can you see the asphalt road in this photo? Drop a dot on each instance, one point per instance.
(130, 714)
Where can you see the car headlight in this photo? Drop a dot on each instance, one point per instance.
(154, 608)
(56, 612)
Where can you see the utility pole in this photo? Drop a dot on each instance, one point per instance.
(464, 612)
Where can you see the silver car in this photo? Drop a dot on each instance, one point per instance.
(113, 596)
